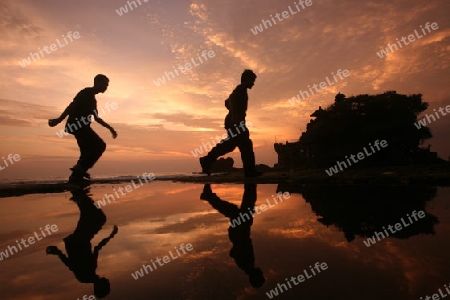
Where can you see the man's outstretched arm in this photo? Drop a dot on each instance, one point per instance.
(66, 112)
(105, 241)
(104, 124)
(55, 251)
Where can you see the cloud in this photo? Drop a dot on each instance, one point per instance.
(8, 121)
(15, 26)
(193, 121)
(22, 114)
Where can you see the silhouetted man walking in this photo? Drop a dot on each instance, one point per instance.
(80, 112)
(237, 104)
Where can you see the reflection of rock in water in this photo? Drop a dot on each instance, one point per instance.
(362, 210)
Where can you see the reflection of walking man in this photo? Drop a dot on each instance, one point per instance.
(237, 105)
(242, 251)
(80, 111)
(80, 259)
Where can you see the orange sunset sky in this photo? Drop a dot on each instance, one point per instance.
(159, 126)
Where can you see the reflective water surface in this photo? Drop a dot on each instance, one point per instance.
(175, 241)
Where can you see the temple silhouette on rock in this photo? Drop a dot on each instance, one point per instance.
(350, 124)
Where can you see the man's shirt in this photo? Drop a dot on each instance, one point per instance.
(83, 105)
(237, 105)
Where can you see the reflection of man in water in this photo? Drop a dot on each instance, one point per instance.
(242, 250)
(80, 259)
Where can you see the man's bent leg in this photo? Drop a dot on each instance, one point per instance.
(222, 149)
(84, 145)
(97, 147)
(245, 146)
(226, 146)
(79, 170)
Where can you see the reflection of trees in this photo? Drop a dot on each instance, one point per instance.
(362, 210)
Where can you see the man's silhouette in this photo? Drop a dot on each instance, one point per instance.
(80, 259)
(80, 111)
(237, 104)
(239, 234)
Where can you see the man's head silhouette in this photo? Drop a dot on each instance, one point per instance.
(256, 278)
(101, 287)
(101, 83)
(248, 78)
